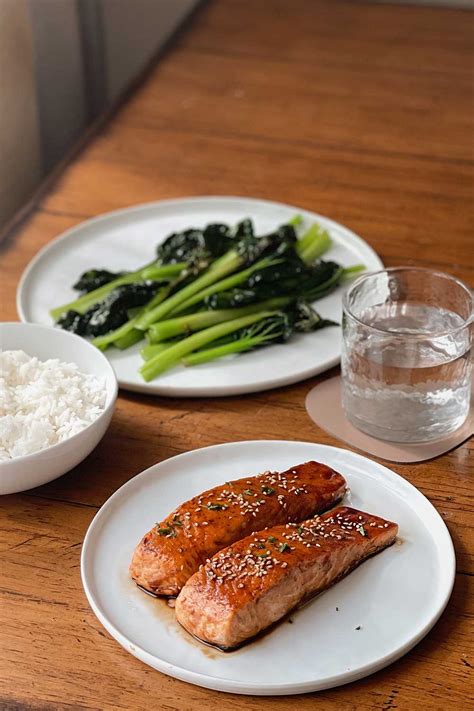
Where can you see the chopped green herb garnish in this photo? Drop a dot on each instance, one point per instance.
(260, 545)
(272, 539)
(166, 531)
(300, 530)
(229, 483)
(216, 507)
(176, 520)
(362, 530)
(284, 547)
(263, 555)
(248, 492)
(267, 490)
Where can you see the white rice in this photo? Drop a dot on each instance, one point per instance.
(44, 402)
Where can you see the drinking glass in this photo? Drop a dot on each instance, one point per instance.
(406, 364)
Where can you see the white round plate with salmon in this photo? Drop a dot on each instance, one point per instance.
(362, 623)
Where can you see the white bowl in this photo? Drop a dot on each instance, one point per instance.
(47, 464)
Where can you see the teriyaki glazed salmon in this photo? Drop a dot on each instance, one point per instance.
(173, 550)
(256, 581)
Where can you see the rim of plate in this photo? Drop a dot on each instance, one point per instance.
(256, 688)
(180, 390)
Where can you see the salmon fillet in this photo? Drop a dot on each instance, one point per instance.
(173, 550)
(256, 581)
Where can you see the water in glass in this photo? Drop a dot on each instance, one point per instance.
(399, 384)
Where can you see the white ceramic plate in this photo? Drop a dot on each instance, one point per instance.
(395, 597)
(127, 238)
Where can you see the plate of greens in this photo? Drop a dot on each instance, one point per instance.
(203, 296)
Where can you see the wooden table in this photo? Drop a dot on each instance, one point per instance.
(358, 111)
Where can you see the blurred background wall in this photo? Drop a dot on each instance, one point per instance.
(62, 64)
(20, 162)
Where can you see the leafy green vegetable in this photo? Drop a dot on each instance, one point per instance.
(172, 355)
(292, 277)
(93, 278)
(165, 330)
(209, 293)
(191, 249)
(273, 328)
(83, 303)
(246, 249)
(127, 333)
(152, 349)
(111, 313)
(227, 283)
(194, 244)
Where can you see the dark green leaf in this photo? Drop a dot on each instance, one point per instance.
(110, 313)
(94, 278)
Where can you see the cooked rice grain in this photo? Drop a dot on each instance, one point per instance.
(44, 402)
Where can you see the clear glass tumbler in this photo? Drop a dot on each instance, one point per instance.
(406, 362)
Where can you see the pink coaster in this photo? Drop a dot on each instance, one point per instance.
(323, 404)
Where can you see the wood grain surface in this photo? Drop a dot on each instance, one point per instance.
(359, 111)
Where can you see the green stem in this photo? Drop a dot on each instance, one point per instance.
(296, 220)
(87, 300)
(152, 349)
(313, 244)
(205, 356)
(172, 355)
(226, 264)
(129, 339)
(156, 273)
(227, 283)
(164, 330)
(349, 272)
